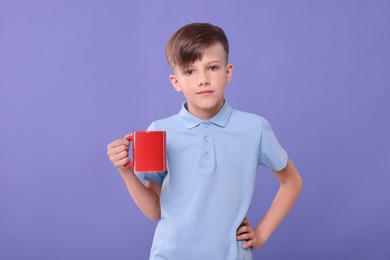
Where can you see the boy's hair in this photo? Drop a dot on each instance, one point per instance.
(188, 43)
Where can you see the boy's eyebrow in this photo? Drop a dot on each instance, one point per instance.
(214, 61)
(208, 63)
(188, 66)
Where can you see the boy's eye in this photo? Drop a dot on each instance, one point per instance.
(188, 72)
(213, 68)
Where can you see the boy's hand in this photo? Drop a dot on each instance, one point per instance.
(246, 232)
(118, 152)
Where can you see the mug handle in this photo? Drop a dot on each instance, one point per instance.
(131, 139)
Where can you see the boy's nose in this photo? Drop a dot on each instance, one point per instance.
(203, 81)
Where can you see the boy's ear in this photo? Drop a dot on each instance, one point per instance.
(229, 72)
(175, 83)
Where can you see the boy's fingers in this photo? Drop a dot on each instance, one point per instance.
(120, 156)
(246, 245)
(118, 149)
(246, 222)
(243, 229)
(249, 244)
(117, 143)
(128, 135)
(122, 162)
(245, 236)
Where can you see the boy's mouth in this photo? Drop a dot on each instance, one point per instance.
(205, 92)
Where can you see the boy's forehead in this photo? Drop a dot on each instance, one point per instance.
(215, 52)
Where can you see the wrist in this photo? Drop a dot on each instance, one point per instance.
(261, 238)
(125, 170)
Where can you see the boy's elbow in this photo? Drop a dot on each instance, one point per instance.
(299, 184)
(153, 217)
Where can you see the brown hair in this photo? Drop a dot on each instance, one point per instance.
(188, 43)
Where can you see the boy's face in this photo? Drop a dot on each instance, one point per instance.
(203, 82)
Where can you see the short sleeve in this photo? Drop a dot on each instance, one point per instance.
(272, 154)
(155, 177)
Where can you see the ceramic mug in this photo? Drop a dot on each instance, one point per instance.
(149, 148)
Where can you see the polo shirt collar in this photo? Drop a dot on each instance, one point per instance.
(221, 118)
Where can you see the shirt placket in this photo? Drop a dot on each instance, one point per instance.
(208, 156)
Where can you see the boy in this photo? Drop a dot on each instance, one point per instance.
(213, 152)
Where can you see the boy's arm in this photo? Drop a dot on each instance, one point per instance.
(290, 187)
(147, 198)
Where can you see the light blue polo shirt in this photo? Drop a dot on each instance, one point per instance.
(207, 189)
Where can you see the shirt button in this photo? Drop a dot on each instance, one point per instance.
(206, 124)
(206, 156)
(206, 140)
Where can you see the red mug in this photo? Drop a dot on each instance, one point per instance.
(148, 151)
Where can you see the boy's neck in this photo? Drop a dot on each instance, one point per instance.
(205, 114)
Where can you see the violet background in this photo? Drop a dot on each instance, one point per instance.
(76, 75)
